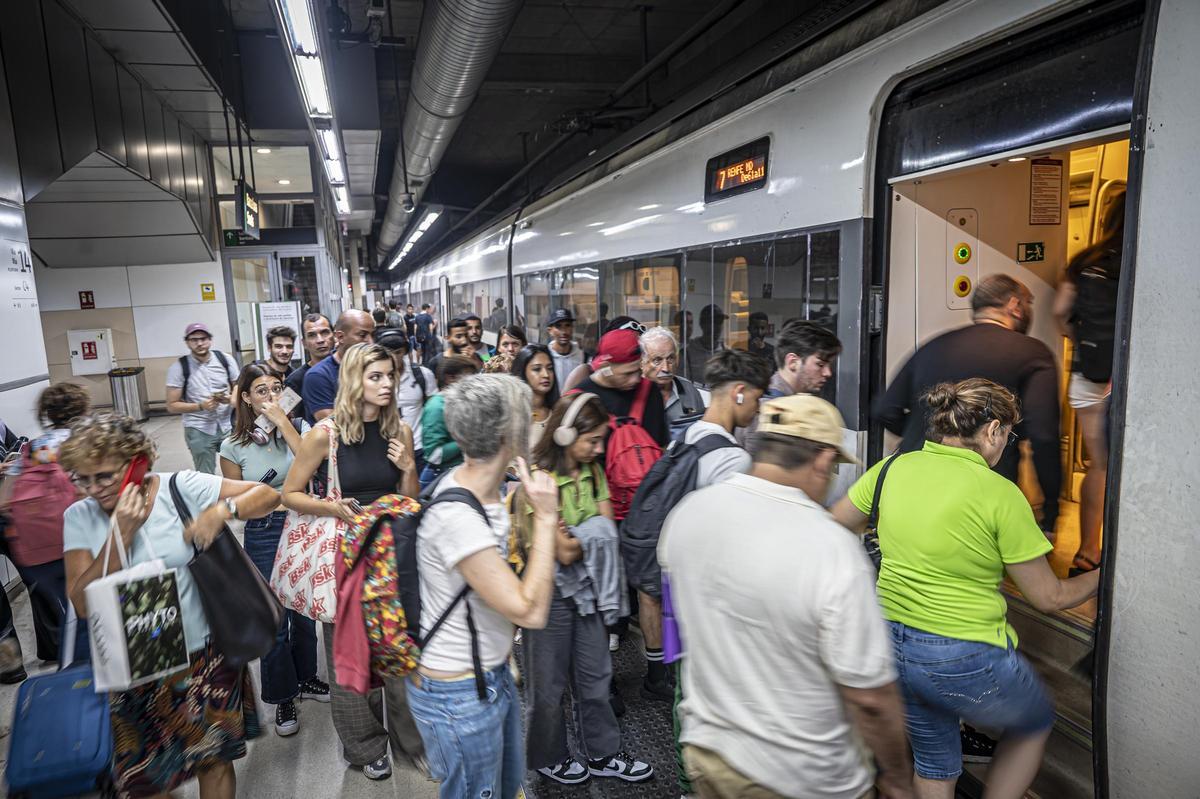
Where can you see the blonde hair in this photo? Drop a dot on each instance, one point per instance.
(348, 405)
(102, 437)
(499, 364)
(959, 410)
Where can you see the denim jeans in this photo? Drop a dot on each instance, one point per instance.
(293, 660)
(204, 448)
(947, 679)
(473, 745)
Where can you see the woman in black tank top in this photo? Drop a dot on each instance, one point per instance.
(374, 458)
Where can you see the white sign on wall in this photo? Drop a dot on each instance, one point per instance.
(272, 314)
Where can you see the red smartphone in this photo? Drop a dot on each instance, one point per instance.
(136, 472)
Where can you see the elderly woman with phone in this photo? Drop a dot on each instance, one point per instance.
(374, 459)
(195, 722)
(289, 670)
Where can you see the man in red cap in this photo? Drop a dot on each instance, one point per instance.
(200, 386)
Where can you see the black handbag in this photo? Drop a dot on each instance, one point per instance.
(243, 613)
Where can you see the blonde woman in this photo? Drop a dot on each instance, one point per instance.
(374, 458)
(196, 722)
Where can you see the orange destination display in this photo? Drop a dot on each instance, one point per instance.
(737, 171)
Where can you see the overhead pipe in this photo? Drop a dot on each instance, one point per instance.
(458, 42)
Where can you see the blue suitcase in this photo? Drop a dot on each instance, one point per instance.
(62, 743)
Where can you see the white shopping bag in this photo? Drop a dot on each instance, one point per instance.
(135, 621)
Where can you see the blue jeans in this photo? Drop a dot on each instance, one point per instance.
(293, 659)
(428, 474)
(947, 679)
(473, 745)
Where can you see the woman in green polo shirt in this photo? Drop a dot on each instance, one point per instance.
(949, 530)
(572, 649)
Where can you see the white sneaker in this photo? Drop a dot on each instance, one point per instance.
(614, 642)
(622, 766)
(568, 772)
(381, 769)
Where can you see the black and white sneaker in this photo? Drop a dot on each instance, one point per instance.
(381, 769)
(976, 747)
(622, 766)
(568, 772)
(314, 689)
(286, 722)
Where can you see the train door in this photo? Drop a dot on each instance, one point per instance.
(1003, 162)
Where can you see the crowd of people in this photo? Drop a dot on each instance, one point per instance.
(792, 666)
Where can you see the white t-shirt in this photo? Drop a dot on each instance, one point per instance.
(776, 608)
(409, 398)
(449, 533)
(205, 379)
(720, 463)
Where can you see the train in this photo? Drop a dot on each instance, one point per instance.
(868, 182)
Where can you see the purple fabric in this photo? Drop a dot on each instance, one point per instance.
(671, 643)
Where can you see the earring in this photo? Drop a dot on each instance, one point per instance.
(740, 398)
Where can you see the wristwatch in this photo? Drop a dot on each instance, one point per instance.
(231, 506)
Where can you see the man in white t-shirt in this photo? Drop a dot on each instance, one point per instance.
(414, 385)
(200, 386)
(788, 658)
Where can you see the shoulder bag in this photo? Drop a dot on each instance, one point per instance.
(242, 611)
(304, 577)
(871, 532)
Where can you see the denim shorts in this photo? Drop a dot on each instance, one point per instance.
(948, 679)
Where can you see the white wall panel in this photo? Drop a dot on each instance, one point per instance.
(160, 328)
(174, 284)
(58, 289)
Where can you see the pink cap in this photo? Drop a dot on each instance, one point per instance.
(197, 327)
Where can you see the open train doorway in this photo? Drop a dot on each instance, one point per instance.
(1027, 214)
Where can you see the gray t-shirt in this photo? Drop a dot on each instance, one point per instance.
(206, 379)
(720, 463)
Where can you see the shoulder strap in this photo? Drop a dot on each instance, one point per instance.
(419, 378)
(638, 411)
(460, 495)
(334, 489)
(186, 365)
(873, 517)
(711, 443)
(225, 362)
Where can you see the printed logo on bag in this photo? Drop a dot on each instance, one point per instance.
(324, 574)
(297, 534)
(318, 606)
(286, 565)
(298, 573)
(298, 602)
(153, 626)
(311, 537)
(329, 545)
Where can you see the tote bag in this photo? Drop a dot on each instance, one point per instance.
(304, 576)
(135, 620)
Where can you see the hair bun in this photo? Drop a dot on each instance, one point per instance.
(942, 397)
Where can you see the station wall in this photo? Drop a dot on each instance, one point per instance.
(147, 308)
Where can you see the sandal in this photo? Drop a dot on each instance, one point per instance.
(1076, 570)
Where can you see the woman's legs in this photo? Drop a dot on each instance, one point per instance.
(1015, 764)
(47, 585)
(933, 789)
(1092, 420)
(280, 681)
(217, 782)
(547, 655)
(360, 729)
(591, 675)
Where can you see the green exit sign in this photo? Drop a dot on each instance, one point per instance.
(1029, 251)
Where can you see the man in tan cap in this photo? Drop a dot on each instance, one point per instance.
(787, 653)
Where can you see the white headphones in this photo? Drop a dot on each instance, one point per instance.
(565, 434)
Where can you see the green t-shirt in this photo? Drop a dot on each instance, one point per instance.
(948, 525)
(579, 500)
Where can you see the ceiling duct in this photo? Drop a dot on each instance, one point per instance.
(458, 42)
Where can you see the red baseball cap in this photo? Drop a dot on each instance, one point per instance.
(197, 327)
(617, 346)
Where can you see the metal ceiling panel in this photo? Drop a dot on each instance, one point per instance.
(146, 47)
(131, 251)
(73, 220)
(173, 77)
(187, 101)
(133, 15)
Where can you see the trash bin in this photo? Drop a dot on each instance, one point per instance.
(129, 392)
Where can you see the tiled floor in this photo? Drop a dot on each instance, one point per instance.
(308, 765)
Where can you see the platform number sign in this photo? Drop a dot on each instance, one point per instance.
(1030, 251)
(737, 171)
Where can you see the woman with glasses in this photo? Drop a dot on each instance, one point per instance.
(193, 723)
(950, 528)
(534, 365)
(289, 671)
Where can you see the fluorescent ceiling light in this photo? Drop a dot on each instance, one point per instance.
(336, 173)
(1017, 158)
(284, 182)
(329, 141)
(419, 231)
(341, 199)
(649, 207)
(297, 18)
(428, 221)
(263, 151)
(312, 83)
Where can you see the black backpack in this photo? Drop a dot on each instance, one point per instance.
(1094, 315)
(404, 533)
(669, 480)
(186, 363)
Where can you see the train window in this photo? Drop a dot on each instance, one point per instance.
(484, 298)
(576, 289)
(740, 295)
(646, 289)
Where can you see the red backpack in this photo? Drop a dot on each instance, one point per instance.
(40, 497)
(631, 453)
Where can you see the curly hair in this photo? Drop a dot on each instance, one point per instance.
(499, 363)
(103, 437)
(348, 405)
(63, 403)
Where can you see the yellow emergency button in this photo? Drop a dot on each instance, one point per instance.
(962, 252)
(962, 285)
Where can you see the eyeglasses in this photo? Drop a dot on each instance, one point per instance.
(98, 481)
(262, 392)
(1013, 438)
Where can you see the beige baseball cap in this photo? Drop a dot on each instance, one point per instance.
(805, 416)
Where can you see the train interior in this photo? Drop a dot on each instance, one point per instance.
(1026, 214)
